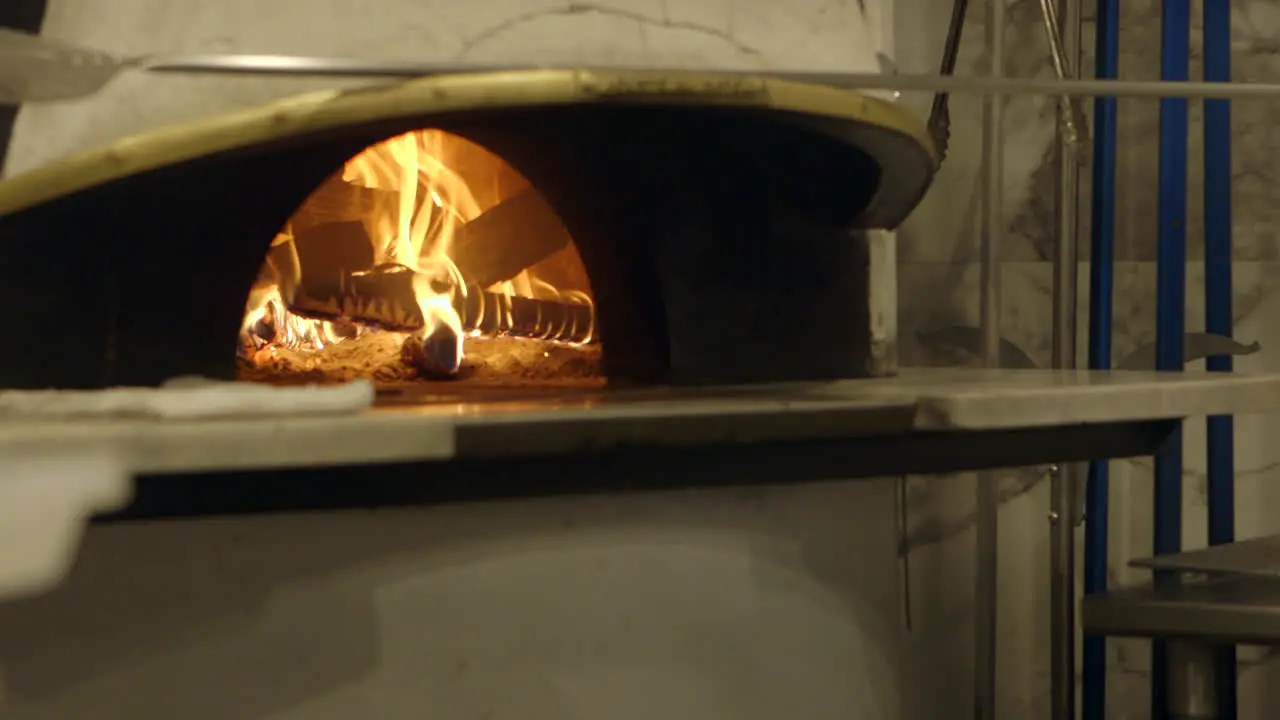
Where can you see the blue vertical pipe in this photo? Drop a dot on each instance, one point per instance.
(1171, 291)
(1217, 304)
(1093, 685)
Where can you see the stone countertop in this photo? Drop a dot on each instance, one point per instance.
(917, 402)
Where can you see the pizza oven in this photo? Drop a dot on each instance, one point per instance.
(532, 231)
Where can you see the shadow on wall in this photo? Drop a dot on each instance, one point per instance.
(543, 610)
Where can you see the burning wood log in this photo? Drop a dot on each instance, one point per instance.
(494, 247)
(515, 234)
(331, 251)
(434, 354)
(492, 313)
(337, 201)
(386, 297)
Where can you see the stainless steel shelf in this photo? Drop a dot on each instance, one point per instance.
(1223, 594)
(1225, 610)
(1259, 557)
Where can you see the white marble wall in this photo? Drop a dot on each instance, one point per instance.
(938, 281)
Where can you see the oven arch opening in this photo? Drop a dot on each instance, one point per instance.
(723, 245)
(425, 257)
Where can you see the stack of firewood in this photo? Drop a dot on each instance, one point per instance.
(326, 267)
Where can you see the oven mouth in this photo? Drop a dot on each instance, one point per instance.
(710, 227)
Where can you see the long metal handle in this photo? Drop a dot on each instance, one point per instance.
(940, 113)
(1075, 128)
(345, 67)
(34, 69)
(1065, 42)
(53, 80)
(988, 502)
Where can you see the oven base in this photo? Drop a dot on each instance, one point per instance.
(919, 422)
(737, 603)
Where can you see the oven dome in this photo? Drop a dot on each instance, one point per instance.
(890, 135)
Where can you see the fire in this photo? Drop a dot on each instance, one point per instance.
(428, 236)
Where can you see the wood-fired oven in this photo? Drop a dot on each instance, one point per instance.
(521, 228)
(491, 250)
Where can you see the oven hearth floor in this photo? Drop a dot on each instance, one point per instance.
(922, 421)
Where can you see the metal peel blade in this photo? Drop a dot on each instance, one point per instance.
(35, 69)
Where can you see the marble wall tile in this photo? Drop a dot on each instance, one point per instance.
(1029, 170)
(1255, 151)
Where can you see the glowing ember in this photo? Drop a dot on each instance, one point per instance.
(428, 237)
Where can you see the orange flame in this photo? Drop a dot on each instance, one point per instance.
(437, 183)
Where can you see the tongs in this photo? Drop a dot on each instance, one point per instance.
(1075, 128)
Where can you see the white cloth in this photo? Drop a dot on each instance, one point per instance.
(190, 399)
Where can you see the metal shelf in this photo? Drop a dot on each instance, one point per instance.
(1259, 557)
(1219, 610)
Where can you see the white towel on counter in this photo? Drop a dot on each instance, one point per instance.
(189, 399)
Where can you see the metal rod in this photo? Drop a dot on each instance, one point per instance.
(940, 113)
(39, 69)
(988, 503)
(1093, 686)
(1192, 689)
(277, 65)
(1171, 299)
(1062, 618)
(69, 81)
(992, 213)
(1071, 122)
(1220, 431)
(1064, 481)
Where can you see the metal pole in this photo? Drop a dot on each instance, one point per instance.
(1093, 676)
(902, 82)
(987, 524)
(1192, 687)
(992, 190)
(1171, 299)
(1065, 479)
(1220, 429)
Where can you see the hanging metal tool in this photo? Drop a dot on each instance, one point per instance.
(940, 114)
(1075, 128)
